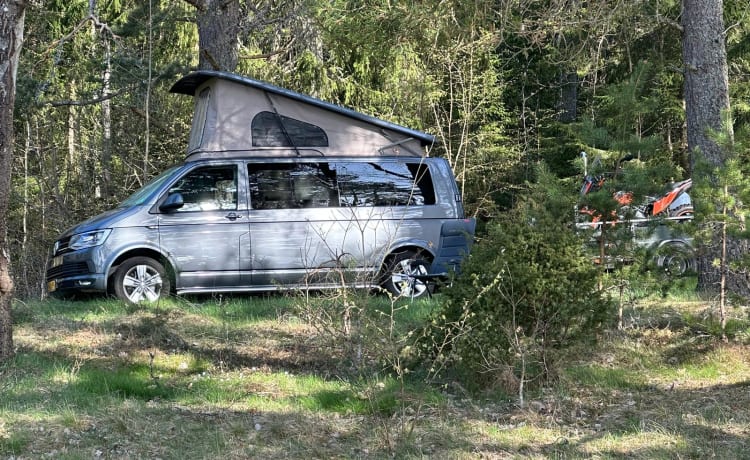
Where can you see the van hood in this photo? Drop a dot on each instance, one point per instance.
(118, 217)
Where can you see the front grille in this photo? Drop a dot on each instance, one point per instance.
(66, 270)
(62, 246)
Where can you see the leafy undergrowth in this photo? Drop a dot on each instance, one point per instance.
(246, 378)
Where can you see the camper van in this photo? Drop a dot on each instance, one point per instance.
(279, 190)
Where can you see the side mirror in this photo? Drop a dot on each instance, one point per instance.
(174, 201)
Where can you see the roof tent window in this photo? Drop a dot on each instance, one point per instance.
(272, 130)
(199, 119)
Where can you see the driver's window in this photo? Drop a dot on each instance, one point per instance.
(208, 188)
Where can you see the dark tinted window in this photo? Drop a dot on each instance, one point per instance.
(314, 185)
(208, 188)
(272, 130)
(283, 186)
(384, 184)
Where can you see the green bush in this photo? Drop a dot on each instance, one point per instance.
(528, 288)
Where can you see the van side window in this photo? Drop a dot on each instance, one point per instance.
(285, 186)
(208, 188)
(385, 184)
(272, 130)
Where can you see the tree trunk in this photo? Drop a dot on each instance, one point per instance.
(706, 75)
(104, 189)
(11, 39)
(568, 97)
(706, 103)
(218, 33)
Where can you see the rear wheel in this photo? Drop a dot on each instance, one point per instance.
(406, 275)
(140, 280)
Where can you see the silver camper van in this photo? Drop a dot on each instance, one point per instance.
(279, 190)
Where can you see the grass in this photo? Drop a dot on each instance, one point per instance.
(247, 377)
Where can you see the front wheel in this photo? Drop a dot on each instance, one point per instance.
(406, 275)
(141, 279)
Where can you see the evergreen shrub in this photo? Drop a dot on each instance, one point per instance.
(527, 289)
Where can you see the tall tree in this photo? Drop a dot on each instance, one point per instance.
(707, 106)
(218, 33)
(12, 14)
(706, 75)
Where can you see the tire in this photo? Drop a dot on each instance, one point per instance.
(684, 210)
(399, 275)
(140, 280)
(675, 260)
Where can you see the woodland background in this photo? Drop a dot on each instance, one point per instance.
(502, 364)
(503, 84)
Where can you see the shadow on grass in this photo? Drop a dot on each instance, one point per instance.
(38, 312)
(657, 439)
(229, 347)
(165, 430)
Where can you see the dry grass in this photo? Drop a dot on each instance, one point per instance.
(242, 379)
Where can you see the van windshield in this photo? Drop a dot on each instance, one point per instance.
(142, 194)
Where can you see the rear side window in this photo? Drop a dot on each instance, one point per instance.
(385, 184)
(344, 184)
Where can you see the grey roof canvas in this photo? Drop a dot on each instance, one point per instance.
(227, 103)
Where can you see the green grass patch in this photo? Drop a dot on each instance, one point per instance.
(242, 309)
(247, 377)
(606, 377)
(14, 444)
(338, 401)
(96, 309)
(133, 381)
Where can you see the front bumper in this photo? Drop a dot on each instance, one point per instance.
(75, 272)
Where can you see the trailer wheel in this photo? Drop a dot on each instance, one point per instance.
(675, 259)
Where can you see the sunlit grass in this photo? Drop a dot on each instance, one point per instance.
(643, 442)
(606, 378)
(248, 377)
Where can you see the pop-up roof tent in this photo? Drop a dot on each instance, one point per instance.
(236, 114)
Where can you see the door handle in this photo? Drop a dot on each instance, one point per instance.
(233, 216)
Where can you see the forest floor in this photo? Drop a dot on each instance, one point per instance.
(247, 378)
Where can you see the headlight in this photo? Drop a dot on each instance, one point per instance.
(89, 239)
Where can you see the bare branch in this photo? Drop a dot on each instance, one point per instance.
(198, 4)
(82, 103)
(282, 50)
(669, 22)
(211, 60)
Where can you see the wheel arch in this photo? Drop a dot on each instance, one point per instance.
(141, 252)
(418, 247)
(674, 242)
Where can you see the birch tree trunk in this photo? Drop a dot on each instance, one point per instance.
(12, 14)
(105, 179)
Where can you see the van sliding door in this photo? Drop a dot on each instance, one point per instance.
(294, 223)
